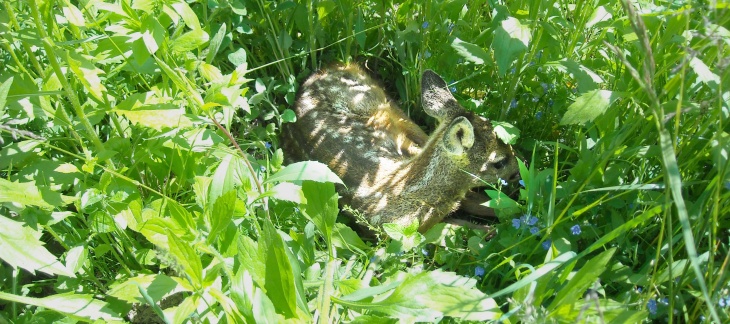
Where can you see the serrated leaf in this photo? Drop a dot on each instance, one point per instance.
(20, 247)
(29, 194)
(76, 306)
(222, 213)
(157, 287)
(588, 107)
(470, 52)
(186, 257)
(306, 170)
(149, 110)
(511, 39)
(506, 132)
(429, 296)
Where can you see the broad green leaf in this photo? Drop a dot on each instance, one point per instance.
(155, 229)
(149, 110)
(703, 72)
(429, 296)
(181, 216)
(190, 41)
(76, 306)
(186, 257)
(215, 43)
(238, 57)
(230, 174)
(288, 116)
(20, 246)
(279, 283)
(73, 14)
(287, 191)
(220, 217)
(321, 206)
(187, 14)
(587, 80)
(471, 52)
(157, 287)
(306, 170)
(582, 280)
(29, 194)
(345, 238)
(153, 34)
(599, 14)
(4, 89)
(506, 132)
(588, 107)
(511, 39)
(404, 238)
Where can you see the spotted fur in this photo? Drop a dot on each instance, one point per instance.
(394, 172)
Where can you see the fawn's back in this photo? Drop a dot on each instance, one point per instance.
(395, 172)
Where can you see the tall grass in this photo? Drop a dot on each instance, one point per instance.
(141, 174)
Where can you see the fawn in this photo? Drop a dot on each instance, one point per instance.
(393, 171)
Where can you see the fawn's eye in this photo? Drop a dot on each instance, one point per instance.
(500, 163)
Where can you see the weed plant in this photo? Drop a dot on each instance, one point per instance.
(140, 166)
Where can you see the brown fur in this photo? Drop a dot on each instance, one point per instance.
(395, 172)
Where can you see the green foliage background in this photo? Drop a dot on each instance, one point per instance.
(140, 161)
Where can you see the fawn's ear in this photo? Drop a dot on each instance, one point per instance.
(437, 100)
(459, 136)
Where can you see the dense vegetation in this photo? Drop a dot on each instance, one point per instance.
(140, 162)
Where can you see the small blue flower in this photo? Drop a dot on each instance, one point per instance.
(512, 71)
(538, 115)
(479, 271)
(547, 244)
(534, 230)
(651, 306)
(639, 289)
(532, 220)
(535, 99)
(503, 182)
(550, 103)
(575, 229)
(544, 86)
(427, 54)
(424, 251)
(451, 28)
(424, 25)
(262, 168)
(267, 145)
(721, 302)
(516, 223)
(513, 104)
(296, 209)
(522, 182)
(453, 88)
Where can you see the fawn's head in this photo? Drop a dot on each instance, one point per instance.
(468, 140)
